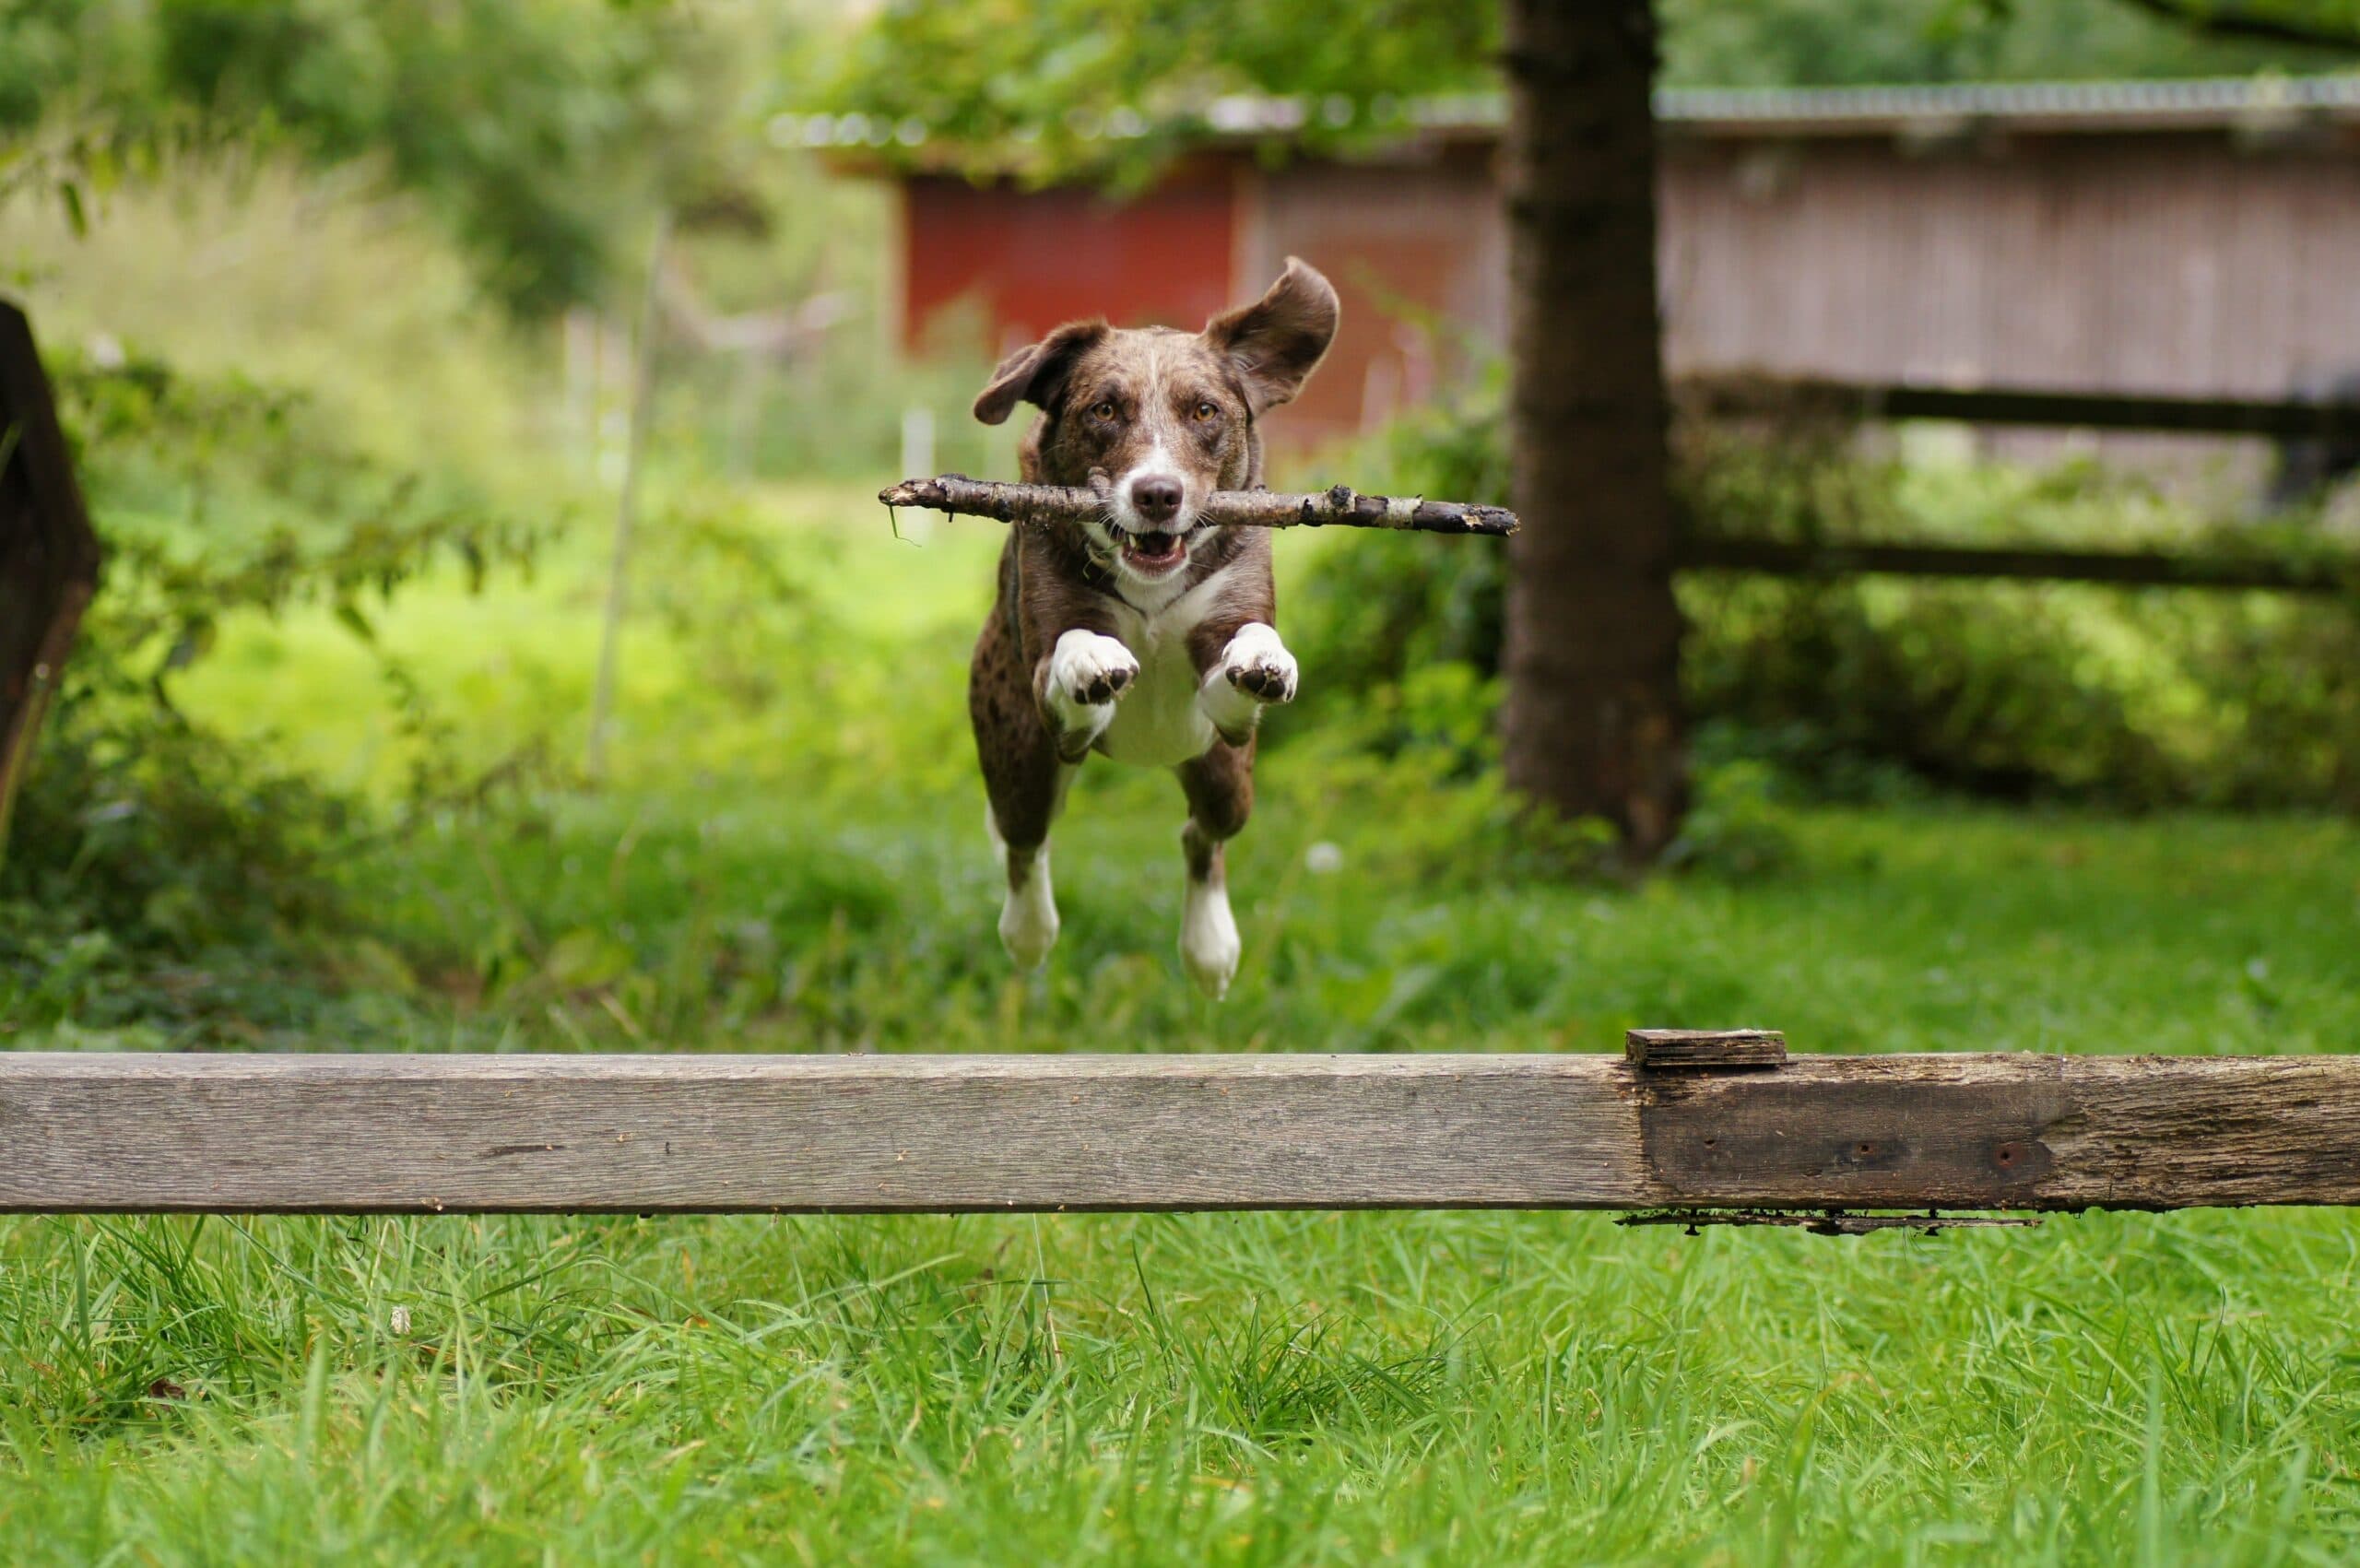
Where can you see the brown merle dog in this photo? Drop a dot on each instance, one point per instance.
(1142, 634)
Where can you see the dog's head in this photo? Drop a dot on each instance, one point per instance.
(1167, 417)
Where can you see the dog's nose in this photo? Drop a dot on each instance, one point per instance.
(1156, 500)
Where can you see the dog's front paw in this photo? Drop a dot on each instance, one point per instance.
(1088, 670)
(1257, 664)
(1254, 669)
(1085, 674)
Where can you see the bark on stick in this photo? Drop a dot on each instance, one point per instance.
(1341, 506)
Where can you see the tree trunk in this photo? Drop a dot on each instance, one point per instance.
(1592, 725)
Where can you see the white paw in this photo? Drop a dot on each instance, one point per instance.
(1257, 664)
(1208, 941)
(1027, 928)
(1087, 673)
(1254, 669)
(1028, 917)
(1089, 670)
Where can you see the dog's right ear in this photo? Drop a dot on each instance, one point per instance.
(1036, 373)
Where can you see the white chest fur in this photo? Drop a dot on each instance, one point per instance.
(1160, 722)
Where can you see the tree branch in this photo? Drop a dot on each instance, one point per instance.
(1341, 506)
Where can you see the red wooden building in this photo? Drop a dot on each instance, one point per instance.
(2179, 237)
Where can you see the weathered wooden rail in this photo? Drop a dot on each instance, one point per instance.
(2279, 419)
(2321, 573)
(391, 1133)
(2333, 422)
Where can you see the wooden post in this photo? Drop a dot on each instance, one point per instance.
(49, 557)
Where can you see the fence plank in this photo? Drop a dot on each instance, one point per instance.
(848, 1134)
(1780, 558)
(2281, 419)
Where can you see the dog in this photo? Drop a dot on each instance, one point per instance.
(1142, 634)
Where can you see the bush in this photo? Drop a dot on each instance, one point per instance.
(153, 863)
(2131, 698)
(1392, 621)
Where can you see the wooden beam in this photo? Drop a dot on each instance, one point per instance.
(2279, 419)
(937, 1134)
(1780, 558)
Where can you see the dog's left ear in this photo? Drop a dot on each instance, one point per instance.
(1276, 342)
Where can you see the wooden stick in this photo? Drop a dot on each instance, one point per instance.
(375, 1134)
(1341, 506)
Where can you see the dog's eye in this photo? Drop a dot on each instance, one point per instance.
(1103, 409)
(1208, 410)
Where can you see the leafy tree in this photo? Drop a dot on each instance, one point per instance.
(2323, 24)
(1076, 85)
(534, 129)
(1069, 86)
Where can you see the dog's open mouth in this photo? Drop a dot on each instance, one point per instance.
(1154, 553)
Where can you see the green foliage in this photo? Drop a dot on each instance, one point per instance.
(2238, 704)
(1074, 85)
(150, 851)
(1381, 612)
(540, 133)
(2140, 698)
(1848, 42)
(528, 126)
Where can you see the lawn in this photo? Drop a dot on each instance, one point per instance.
(790, 856)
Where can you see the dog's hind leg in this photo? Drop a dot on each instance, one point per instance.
(1028, 911)
(1219, 786)
(1026, 786)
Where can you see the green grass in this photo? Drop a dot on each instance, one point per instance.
(1244, 1388)
(790, 857)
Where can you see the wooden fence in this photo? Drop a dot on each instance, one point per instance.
(1782, 558)
(1742, 397)
(399, 1134)
(2278, 418)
